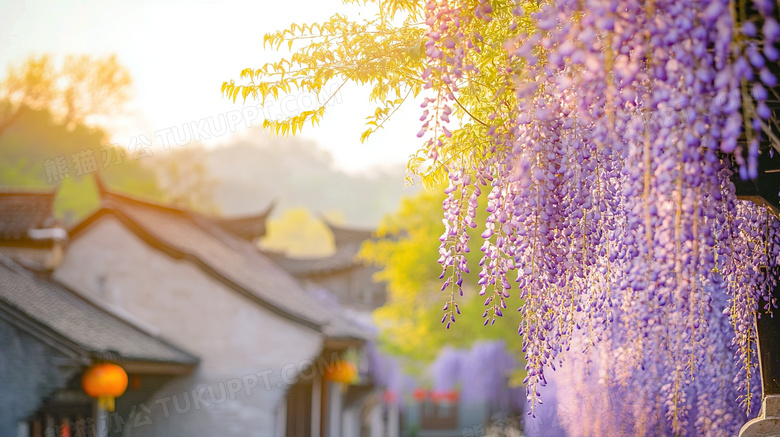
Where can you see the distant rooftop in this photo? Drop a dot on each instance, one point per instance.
(343, 235)
(348, 242)
(248, 227)
(22, 210)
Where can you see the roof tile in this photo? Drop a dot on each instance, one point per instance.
(21, 211)
(81, 322)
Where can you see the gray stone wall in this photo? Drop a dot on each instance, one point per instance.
(28, 373)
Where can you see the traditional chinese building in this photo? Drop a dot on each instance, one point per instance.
(350, 280)
(29, 232)
(349, 284)
(266, 345)
(49, 335)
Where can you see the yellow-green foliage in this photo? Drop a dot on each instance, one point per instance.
(375, 52)
(298, 233)
(78, 87)
(388, 53)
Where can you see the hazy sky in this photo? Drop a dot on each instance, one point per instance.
(180, 51)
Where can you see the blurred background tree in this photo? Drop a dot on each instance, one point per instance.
(298, 233)
(77, 90)
(48, 136)
(184, 177)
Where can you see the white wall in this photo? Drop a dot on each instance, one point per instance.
(240, 343)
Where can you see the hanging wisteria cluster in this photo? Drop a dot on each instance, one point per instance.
(607, 394)
(608, 181)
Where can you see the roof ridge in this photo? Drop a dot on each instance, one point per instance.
(216, 231)
(107, 194)
(111, 196)
(356, 229)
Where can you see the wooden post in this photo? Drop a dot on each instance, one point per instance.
(768, 329)
(316, 406)
(768, 421)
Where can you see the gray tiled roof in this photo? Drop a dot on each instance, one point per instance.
(24, 210)
(348, 242)
(233, 259)
(80, 322)
(345, 236)
(343, 259)
(247, 227)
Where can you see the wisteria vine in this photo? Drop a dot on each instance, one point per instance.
(607, 172)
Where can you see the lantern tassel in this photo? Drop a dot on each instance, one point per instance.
(107, 403)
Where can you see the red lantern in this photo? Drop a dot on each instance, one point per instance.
(389, 396)
(419, 394)
(105, 382)
(342, 371)
(449, 396)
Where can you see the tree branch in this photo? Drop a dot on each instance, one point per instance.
(464, 108)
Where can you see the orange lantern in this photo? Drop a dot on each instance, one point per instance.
(342, 371)
(105, 382)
